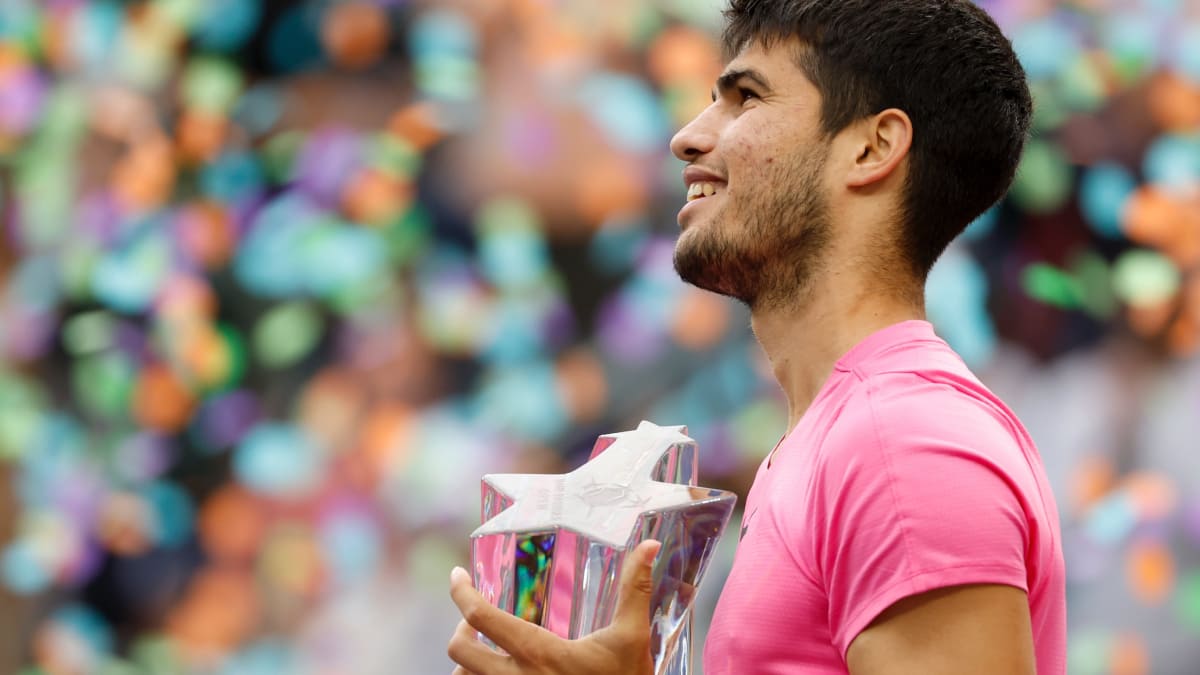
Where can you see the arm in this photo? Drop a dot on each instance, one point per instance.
(962, 629)
(622, 647)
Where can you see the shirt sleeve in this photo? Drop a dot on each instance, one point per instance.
(915, 493)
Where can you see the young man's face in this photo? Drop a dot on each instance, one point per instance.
(756, 220)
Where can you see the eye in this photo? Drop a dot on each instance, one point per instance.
(746, 94)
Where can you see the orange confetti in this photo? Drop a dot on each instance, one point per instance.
(385, 438)
(57, 38)
(1174, 102)
(355, 34)
(122, 114)
(219, 610)
(1154, 494)
(1092, 481)
(1130, 656)
(292, 562)
(201, 136)
(203, 354)
(1171, 223)
(700, 319)
(607, 187)
(123, 524)
(373, 197)
(331, 409)
(185, 298)
(682, 53)
(1183, 337)
(417, 125)
(1149, 321)
(161, 401)
(12, 56)
(207, 233)
(582, 385)
(1151, 572)
(552, 43)
(144, 178)
(231, 524)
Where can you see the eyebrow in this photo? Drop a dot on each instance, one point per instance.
(729, 80)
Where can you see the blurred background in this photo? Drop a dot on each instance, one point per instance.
(280, 280)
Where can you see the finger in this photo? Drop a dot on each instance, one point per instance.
(637, 585)
(472, 656)
(508, 632)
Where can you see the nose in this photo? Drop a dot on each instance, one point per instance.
(698, 137)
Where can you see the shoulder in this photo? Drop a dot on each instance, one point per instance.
(919, 445)
(906, 411)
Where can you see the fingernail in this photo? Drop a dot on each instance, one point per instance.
(654, 555)
(458, 574)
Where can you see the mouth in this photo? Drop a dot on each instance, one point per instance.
(701, 190)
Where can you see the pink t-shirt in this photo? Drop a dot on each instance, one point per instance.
(905, 475)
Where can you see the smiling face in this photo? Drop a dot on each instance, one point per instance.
(756, 222)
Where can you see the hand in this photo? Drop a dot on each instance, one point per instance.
(623, 647)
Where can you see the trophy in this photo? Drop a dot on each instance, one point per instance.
(550, 548)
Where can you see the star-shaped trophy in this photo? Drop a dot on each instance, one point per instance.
(550, 547)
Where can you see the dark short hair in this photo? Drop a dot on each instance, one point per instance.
(943, 62)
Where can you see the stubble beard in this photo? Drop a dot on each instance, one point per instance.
(767, 253)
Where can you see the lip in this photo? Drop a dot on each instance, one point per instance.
(696, 174)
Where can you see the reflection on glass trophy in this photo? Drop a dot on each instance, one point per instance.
(551, 546)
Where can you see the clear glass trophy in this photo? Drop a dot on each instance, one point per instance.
(550, 548)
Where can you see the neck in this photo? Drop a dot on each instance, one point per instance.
(805, 339)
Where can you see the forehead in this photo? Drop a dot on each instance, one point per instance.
(777, 63)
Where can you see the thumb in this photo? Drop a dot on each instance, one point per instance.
(637, 585)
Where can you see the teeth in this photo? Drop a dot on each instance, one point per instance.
(700, 190)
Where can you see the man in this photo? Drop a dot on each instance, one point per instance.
(904, 524)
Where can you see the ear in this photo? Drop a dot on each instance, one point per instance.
(882, 143)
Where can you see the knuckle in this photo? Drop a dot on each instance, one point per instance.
(636, 638)
(473, 613)
(537, 653)
(644, 584)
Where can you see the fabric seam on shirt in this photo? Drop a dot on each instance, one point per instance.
(887, 462)
(875, 355)
(1007, 419)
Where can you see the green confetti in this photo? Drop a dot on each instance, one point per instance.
(1044, 180)
(394, 156)
(156, 654)
(448, 78)
(757, 427)
(507, 214)
(1187, 601)
(1088, 653)
(89, 332)
(103, 384)
(1094, 277)
(1082, 85)
(1052, 286)
(1049, 110)
(211, 85)
(23, 403)
(408, 238)
(279, 155)
(1144, 278)
(286, 334)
